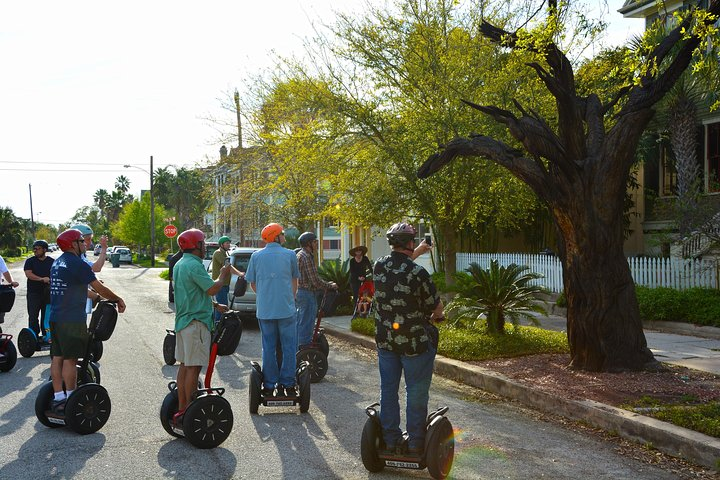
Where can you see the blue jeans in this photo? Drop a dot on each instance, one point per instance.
(307, 309)
(418, 375)
(271, 330)
(221, 297)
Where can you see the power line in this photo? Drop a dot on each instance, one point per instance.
(70, 163)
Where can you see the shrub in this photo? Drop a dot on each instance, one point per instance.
(338, 272)
(700, 306)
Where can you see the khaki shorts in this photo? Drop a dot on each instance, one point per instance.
(192, 345)
(69, 340)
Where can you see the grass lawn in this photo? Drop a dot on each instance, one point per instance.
(472, 343)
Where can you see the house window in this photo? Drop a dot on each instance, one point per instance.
(712, 136)
(668, 174)
(331, 244)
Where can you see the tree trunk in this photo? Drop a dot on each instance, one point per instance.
(449, 248)
(604, 328)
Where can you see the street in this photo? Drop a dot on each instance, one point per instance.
(495, 438)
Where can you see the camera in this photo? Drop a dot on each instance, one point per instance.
(428, 239)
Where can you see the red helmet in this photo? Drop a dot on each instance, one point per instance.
(191, 239)
(68, 237)
(270, 232)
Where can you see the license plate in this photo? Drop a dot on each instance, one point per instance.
(280, 403)
(397, 464)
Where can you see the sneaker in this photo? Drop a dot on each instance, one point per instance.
(267, 392)
(58, 406)
(290, 391)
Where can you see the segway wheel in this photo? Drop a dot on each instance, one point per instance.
(208, 421)
(317, 362)
(323, 342)
(370, 444)
(27, 342)
(440, 449)
(42, 405)
(88, 409)
(169, 349)
(167, 410)
(254, 390)
(97, 350)
(304, 379)
(10, 356)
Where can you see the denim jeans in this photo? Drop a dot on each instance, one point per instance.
(307, 308)
(35, 309)
(271, 330)
(221, 297)
(418, 375)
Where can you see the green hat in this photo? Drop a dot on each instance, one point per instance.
(223, 239)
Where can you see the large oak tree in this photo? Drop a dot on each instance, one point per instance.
(580, 170)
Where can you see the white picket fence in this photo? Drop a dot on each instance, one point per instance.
(675, 273)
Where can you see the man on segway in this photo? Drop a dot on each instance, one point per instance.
(406, 304)
(193, 314)
(69, 281)
(37, 271)
(309, 285)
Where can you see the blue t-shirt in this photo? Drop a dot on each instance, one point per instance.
(69, 280)
(272, 270)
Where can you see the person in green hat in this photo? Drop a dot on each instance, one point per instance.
(219, 258)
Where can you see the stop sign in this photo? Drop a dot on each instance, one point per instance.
(170, 231)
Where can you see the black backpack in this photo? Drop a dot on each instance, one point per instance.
(103, 320)
(227, 333)
(7, 298)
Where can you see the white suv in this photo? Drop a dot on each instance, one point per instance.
(240, 258)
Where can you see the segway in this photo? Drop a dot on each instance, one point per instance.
(302, 377)
(169, 347)
(30, 342)
(316, 352)
(7, 299)
(208, 419)
(439, 449)
(88, 407)
(8, 354)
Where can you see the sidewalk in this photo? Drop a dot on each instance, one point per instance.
(686, 350)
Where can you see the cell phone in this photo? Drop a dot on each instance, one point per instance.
(227, 261)
(428, 239)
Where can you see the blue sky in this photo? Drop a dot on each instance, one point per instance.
(88, 86)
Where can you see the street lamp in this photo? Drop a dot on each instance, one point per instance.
(152, 210)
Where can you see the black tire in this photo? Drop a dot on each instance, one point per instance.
(370, 444)
(208, 421)
(440, 449)
(10, 359)
(97, 350)
(42, 405)
(254, 390)
(323, 342)
(169, 408)
(303, 379)
(27, 343)
(87, 409)
(169, 349)
(317, 363)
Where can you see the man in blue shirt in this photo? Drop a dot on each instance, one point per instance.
(69, 280)
(273, 275)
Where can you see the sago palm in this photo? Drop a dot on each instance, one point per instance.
(498, 294)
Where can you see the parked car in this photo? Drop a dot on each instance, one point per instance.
(97, 249)
(125, 253)
(240, 258)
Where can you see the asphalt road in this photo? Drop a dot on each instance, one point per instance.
(495, 438)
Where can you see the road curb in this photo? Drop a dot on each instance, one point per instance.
(663, 436)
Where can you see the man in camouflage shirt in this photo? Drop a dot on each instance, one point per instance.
(406, 304)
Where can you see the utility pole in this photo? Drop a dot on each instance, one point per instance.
(152, 217)
(32, 218)
(239, 121)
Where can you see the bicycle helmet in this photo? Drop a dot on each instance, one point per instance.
(270, 232)
(84, 229)
(400, 234)
(41, 243)
(68, 237)
(223, 239)
(306, 239)
(191, 239)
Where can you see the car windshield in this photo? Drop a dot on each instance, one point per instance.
(241, 261)
(209, 250)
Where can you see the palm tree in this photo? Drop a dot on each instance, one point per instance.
(11, 230)
(100, 198)
(496, 294)
(122, 184)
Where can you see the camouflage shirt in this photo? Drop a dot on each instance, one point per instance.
(405, 296)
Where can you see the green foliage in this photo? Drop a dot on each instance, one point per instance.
(338, 272)
(475, 344)
(561, 300)
(165, 274)
(133, 226)
(494, 294)
(700, 306)
(703, 418)
(11, 231)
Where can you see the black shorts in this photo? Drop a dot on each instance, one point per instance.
(69, 340)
